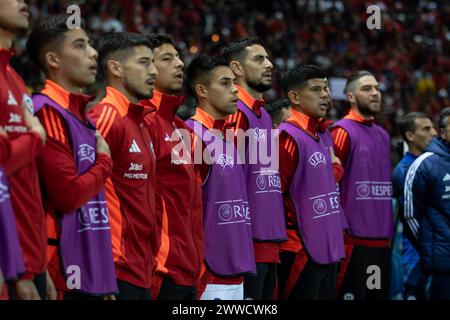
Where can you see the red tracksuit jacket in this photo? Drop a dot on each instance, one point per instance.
(21, 168)
(179, 197)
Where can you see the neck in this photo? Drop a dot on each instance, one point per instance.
(118, 85)
(168, 91)
(255, 94)
(414, 150)
(66, 85)
(206, 106)
(365, 116)
(6, 39)
(298, 109)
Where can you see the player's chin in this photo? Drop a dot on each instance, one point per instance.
(375, 107)
(232, 108)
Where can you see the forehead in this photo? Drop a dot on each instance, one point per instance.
(142, 51)
(367, 81)
(256, 50)
(8, 4)
(165, 48)
(423, 122)
(316, 82)
(222, 72)
(75, 34)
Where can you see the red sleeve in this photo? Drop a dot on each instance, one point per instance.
(24, 149)
(288, 164)
(5, 149)
(239, 121)
(201, 168)
(341, 143)
(338, 171)
(110, 125)
(65, 188)
(288, 160)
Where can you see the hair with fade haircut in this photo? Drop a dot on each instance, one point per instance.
(237, 50)
(47, 33)
(407, 123)
(118, 46)
(299, 75)
(443, 118)
(200, 69)
(158, 40)
(355, 76)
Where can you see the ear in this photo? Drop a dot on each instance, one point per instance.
(115, 68)
(201, 91)
(51, 60)
(351, 98)
(237, 69)
(294, 97)
(443, 134)
(409, 136)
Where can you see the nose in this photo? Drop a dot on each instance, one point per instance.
(269, 64)
(153, 70)
(179, 63)
(93, 53)
(234, 90)
(433, 132)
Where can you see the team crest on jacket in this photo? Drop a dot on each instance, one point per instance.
(317, 158)
(86, 152)
(225, 160)
(28, 103)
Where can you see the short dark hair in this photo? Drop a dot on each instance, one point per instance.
(275, 107)
(199, 71)
(158, 40)
(408, 123)
(443, 117)
(355, 76)
(45, 33)
(118, 45)
(236, 50)
(297, 76)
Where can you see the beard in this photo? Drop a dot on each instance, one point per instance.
(365, 108)
(258, 85)
(138, 94)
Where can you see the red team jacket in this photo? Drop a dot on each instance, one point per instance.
(179, 197)
(21, 168)
(131, 190)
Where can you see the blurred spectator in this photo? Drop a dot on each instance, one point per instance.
(410, 55)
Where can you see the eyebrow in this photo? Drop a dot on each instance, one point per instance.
(226, 78)
(80, 40)
(170, 54)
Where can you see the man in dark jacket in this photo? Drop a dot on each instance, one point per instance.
(417, 131)
(426, 201)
